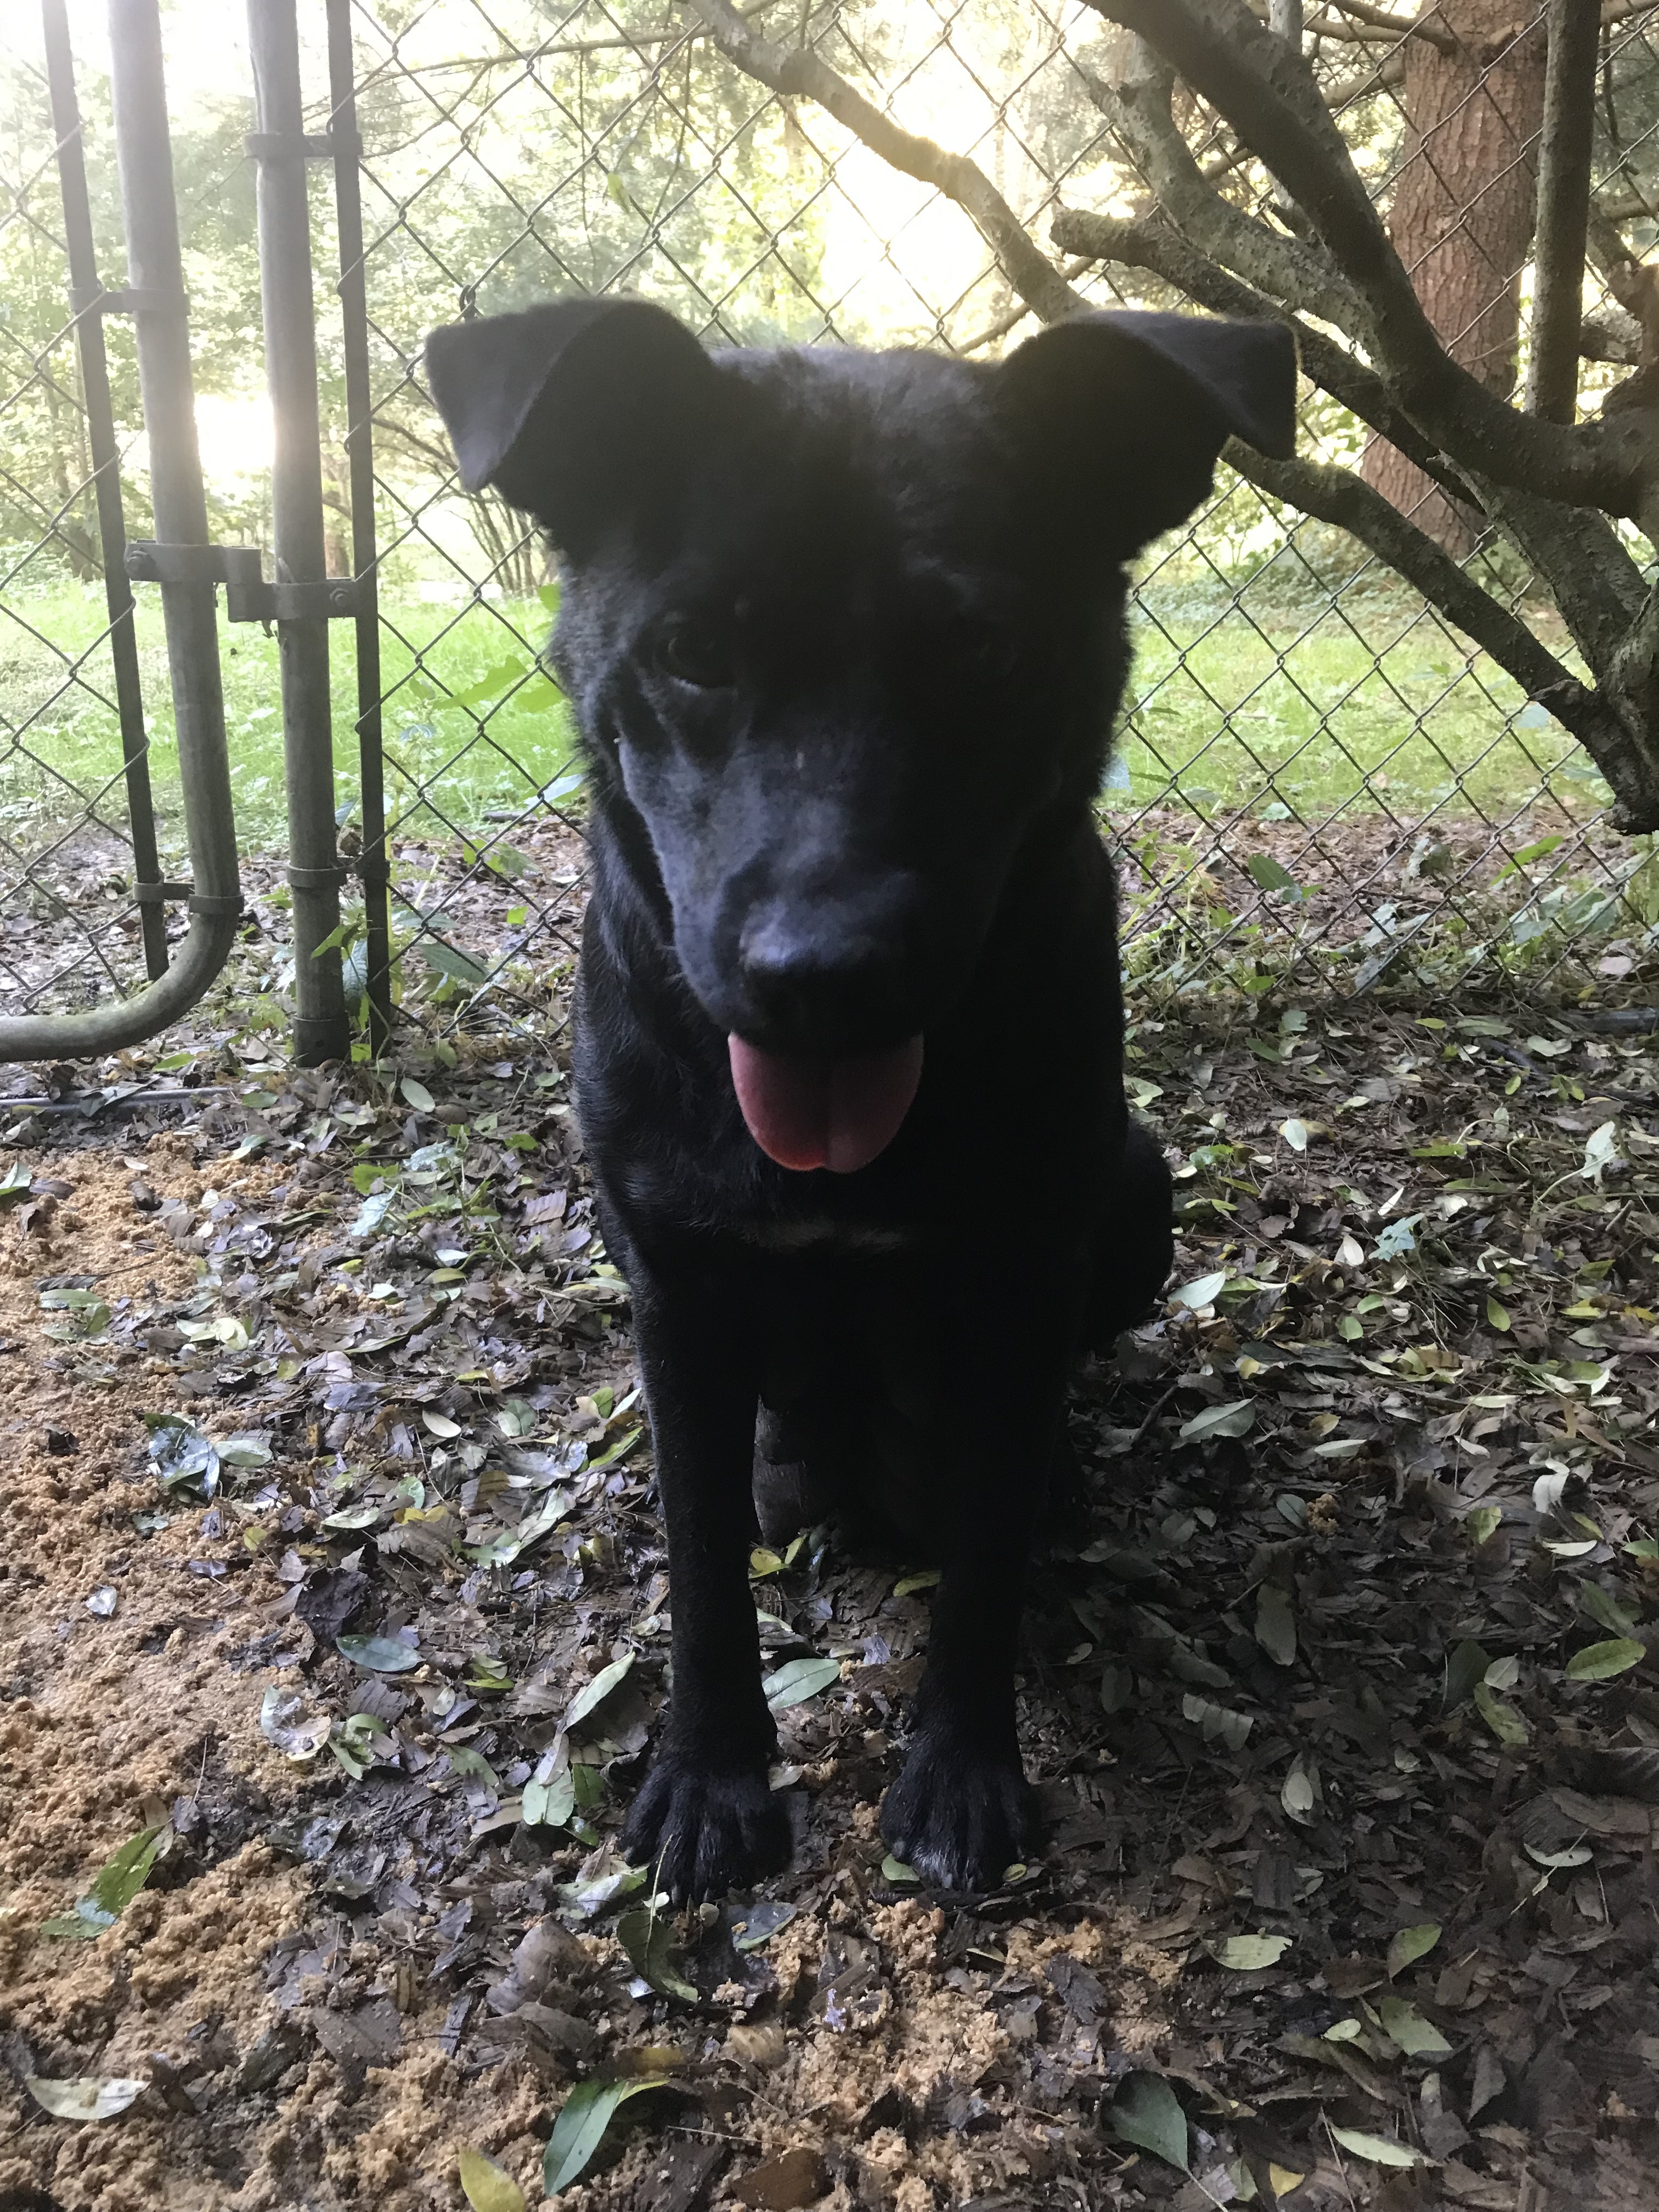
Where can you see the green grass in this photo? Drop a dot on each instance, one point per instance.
(471, 724)
(1310, 706)
(1315, 708)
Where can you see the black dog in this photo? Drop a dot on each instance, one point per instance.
(844, 633)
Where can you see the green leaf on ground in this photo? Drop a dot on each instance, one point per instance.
(1501, 1717)
(113, 1887)
(83, 2096)
(1272, 875)
(489, 2187)
(1407, 1945)
(549, 1795)
(1417, 2037)
(1148, 2113)
(1248, 1954)
(649, 1942)
(797, 1680)
(1597, 1661)
(585, 2114)
(378, 1655)
(1380, 2150)
(1275, 1623)
(590, 1698)
(1605, 1609)
(1236, 1420)
(1467, 1665)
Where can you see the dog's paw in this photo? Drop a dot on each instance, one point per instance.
(957, 1816)
(702, 1833)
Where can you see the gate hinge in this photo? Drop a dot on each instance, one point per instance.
(248, 598)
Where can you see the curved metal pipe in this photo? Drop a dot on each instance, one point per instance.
(103, 1030)
(145, 157)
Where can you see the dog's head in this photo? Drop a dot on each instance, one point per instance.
(843, 633)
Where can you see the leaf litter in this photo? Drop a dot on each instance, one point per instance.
(1336, 1682)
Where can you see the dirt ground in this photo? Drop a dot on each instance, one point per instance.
(330, 1564)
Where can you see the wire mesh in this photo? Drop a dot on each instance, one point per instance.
(1319, 779)
(71, 930)
(1320, 783)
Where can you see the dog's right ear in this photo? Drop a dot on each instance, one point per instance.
(576, 411)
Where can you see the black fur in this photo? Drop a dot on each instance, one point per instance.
(844, 633)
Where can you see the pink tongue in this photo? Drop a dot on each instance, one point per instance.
(836, 1113)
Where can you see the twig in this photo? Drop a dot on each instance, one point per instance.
(1337, 2154)
(1408, 26)
(124, 1099)
(1270, 99)
(799, 71)
(1157, 1409)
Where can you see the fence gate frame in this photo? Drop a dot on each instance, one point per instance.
(154, 297)
(301, 600)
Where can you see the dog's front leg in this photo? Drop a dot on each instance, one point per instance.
(961, 1810)
(706, 1819)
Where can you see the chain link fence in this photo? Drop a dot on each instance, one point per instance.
(71, 929)
(1320, 783)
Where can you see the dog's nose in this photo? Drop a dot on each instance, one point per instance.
(828, 977)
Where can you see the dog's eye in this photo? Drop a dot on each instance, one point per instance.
(694, 653)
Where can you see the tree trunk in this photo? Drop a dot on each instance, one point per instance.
(1461, 214)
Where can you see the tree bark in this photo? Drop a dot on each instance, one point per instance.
(1461, 218)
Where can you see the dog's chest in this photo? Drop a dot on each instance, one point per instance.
(816, 1233)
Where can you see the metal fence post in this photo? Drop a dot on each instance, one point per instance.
(155, 297)
(322, 1029)
(359, 456)
(87, 296)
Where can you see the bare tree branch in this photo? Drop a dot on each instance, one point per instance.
(1374, 26)
(1421, 25)
(1268, 95)
(1596, 585)
(798, 71)
(1564, 189)
(1155, 246)
(1016, 316)
(1611, 335)
(1629, 206)
(1540, 481)
(1304, 277)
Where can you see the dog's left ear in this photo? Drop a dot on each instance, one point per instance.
(578, 410)
(1125, 413)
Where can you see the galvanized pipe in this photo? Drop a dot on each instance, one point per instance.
(86, 296)
(144, 153)
(359, 456)
(321, 1028)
